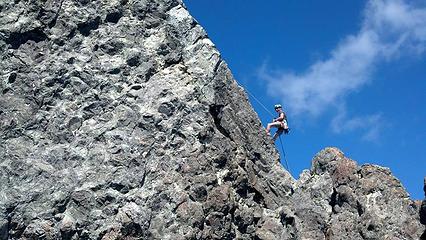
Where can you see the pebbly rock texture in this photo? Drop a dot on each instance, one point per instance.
(337, 199)
(120, 120)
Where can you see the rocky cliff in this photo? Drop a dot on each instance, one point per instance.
(120, 120)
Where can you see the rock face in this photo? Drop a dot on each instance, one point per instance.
(120, 120)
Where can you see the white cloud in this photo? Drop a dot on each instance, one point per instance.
(325, 81)
(370, 125)
(390, 28)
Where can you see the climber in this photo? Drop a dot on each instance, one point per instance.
(280, 123)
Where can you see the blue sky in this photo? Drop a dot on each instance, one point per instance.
(350, 74)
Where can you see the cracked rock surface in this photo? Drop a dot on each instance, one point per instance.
(120, 120)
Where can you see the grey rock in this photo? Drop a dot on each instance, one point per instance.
(120, 120)
(363, 202)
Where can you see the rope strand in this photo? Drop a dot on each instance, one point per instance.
(257, 100)
(285, 157)
(260, 103)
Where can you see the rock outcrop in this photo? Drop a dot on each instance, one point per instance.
(337, 199)
(120, 120)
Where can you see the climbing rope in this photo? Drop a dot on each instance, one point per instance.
(285, 158)
(254, 97)
(272, 115)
